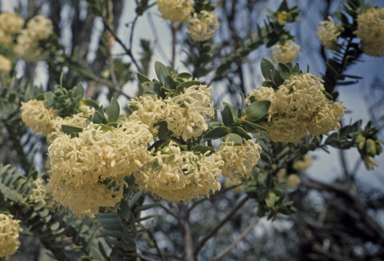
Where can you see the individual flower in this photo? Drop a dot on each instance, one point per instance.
(39, 191)
(239, 159)
(203, 26)
(369, 162)
(11, 23)
(5, 64)
(180, 175)
(189, 112)
(285, 53)
(38, 116)
(40, 27)
(5, 38)
(9, 235)
(175, 10)
(303, 164)
(328, 33)
(293, 181)
(370, 29)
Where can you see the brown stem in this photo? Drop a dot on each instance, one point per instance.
(222, 223)
(155, 243)
(245, 232)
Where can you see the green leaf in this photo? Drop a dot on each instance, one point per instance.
(89, 103)
(98, 118)
(96, 254)
(163, 130)
(266, 68)
(185, 75)
(169, 83)
(146, 206)
(142, 78)
(180, 88)
(161, 72)
(49, 99)
(216, 133)
(71, 130)
(327, 95)
(106, 128)
(114, 111)
(253, 126)
(296, 68)
(241, 132)
(257, 110)
(227, 116)
(237, 139)
(79, 91)
(276, 78)
(124, 212)
(40, 97)
(202, 149)
(284, 71)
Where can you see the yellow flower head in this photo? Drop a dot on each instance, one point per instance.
(11, 23)
(370, 29)
(175, 10)
(282, 17)
(9, 235)
(38, 116)
(285, 53)
(39, 191)
(328, 33)
(180, 175)
(303, 164)
(5, 64)
(40, 27)
(189, 112)
(293, 181)
(203, 26)
(239, 160)
(5, 38)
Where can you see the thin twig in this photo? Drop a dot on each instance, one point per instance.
(128, 51)
(109, 84)
(154, 253)
(154, 32)
(245, 232)
(174, 42)
(167, 210)
(145, 258)
(222, 223)
(112, 64)
(152, 236)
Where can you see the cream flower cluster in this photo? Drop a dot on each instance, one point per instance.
(370, 29)
(293, 181)
(328, 33)
(5, 64)
(10, 24)
(203, 26)
(38, 116)
(9, 235)
(297, 107)
(285, 53)
(95, 156)
(239, 160)
(38, 28)
(303, 164)
(39, 191)
(189, 112)
(180, 175)
(175, 10)
(186, 114)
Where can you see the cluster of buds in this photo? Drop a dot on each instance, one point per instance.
(368, 145)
